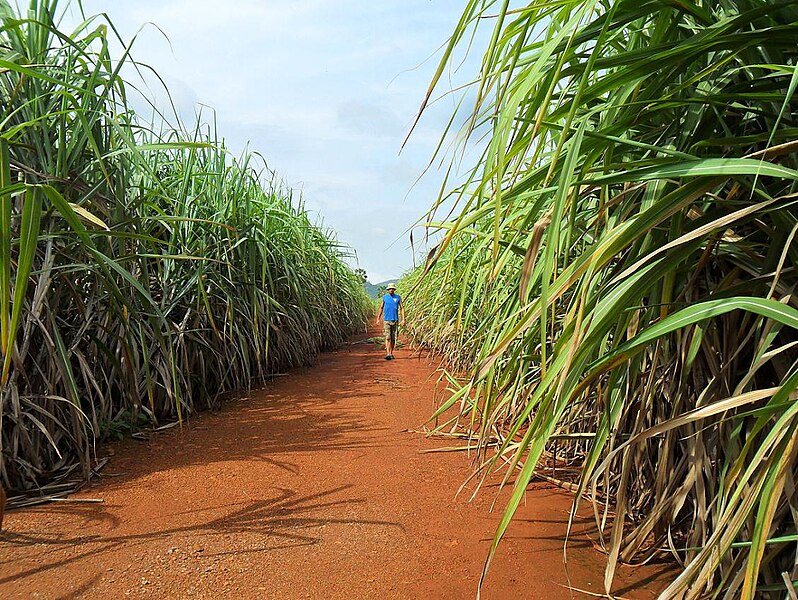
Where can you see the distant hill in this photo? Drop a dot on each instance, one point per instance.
(376, 290)
(372, 290)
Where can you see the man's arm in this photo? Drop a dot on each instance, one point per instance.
(402, 312)
(379, 315)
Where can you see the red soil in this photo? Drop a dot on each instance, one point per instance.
(309, 488)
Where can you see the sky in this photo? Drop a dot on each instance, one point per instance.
(325, 90)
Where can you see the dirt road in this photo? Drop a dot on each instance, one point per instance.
(309, 488)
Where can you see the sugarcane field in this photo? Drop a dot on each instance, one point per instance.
(399, 300)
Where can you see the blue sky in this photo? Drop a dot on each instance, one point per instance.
(325, 90)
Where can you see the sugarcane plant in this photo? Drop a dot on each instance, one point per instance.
(618, 277)
(143, 269)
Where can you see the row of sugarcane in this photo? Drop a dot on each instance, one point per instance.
(143, 270)
(618, 281)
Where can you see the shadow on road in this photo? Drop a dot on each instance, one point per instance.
(287, 520)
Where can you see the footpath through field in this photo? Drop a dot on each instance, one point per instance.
(310, 488)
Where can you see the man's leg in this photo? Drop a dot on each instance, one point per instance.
(394, 332)
(386, 330)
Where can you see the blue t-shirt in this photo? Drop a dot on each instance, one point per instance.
(390, 311)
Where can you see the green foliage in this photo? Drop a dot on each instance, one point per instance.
(143, 271)
(124, 423)
(620, 275)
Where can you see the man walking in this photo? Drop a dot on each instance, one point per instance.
(391, 308)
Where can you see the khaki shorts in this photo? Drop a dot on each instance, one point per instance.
(391, 330)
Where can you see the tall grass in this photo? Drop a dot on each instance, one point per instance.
(144, 270)
(619, 277)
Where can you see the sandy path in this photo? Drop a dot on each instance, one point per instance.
(310, 488)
